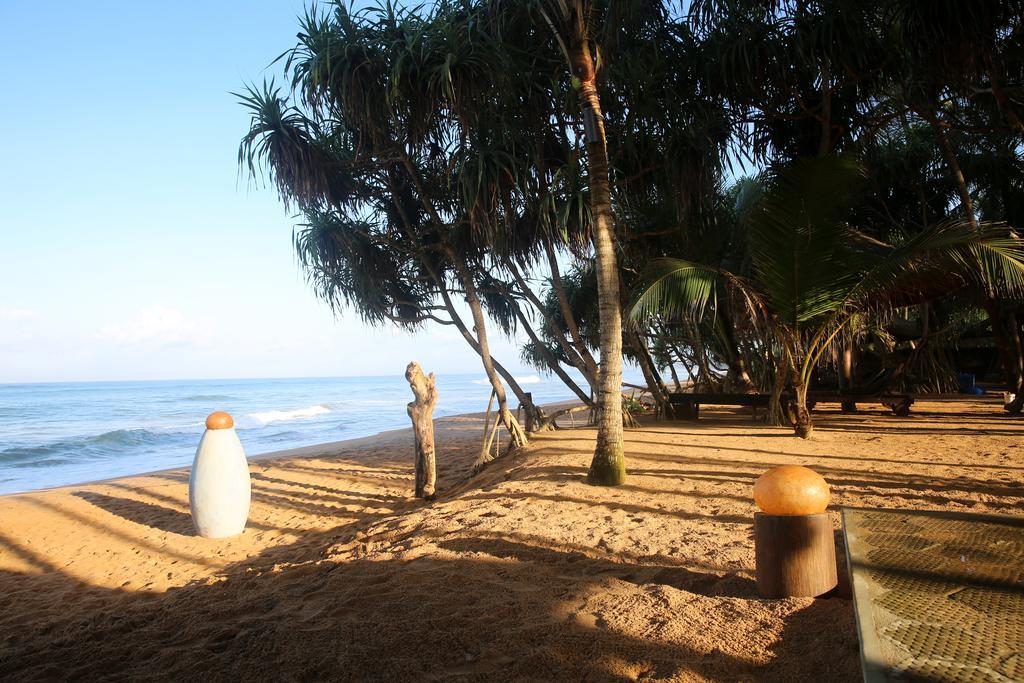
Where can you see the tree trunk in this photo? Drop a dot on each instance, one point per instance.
(1007, 340)
(675, 376)
(800, 415)
(575, 359)
(517, 437)
(955, 170)
(776, 413)
(657, 388)
(704, 379)
(1017, 404)
(524, 396)
(421, 411)
(549, 358)
(608, 467)
(802, 425)
(568, 316)
(846, 373)
(737, 377)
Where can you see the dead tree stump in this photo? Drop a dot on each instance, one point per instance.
(421, 411)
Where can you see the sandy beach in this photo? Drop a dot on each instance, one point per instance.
(521, 572)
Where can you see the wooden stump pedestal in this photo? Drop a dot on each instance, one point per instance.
(795, 555)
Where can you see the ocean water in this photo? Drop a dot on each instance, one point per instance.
(69, 433)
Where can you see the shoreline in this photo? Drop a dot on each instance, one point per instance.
(312, 450)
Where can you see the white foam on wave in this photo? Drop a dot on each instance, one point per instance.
(269, 416)
(528, 379)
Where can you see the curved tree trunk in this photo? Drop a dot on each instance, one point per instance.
(480, 344)
(1007, 338)
(524, 397)
(799, 414)
(608, 467)
(657, 388)
(954, 168)
(568, 316)
(552, 362)
(575, 359)
(737, 377)
(776, 412)
(517, 437)
(675, 376)
(1017, 403)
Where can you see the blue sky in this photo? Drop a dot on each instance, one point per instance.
(130, 248)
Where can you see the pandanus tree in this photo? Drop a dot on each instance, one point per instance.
(433, 158)
(368, 151)
(812, 272)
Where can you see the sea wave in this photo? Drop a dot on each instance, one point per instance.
(528, 379)
(269, 416)
(81, 448)
(207, 397)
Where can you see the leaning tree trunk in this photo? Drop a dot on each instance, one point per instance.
(799, 414)
(549, 357)
(608, 467)
(421, 411)
(517, 437)
(591, 369)
(1017, 404)
(776, 411)
(954, 168)
(1007, 341)
(657, 388)
(524, 397)
(737, 377)
(575, 359)
(847, 365)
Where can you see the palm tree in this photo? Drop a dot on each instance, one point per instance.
(568, 21)
(812, 273)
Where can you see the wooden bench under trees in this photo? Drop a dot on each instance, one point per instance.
(899, 404)
(687, 406)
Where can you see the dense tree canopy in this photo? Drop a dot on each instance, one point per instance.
(535, 162)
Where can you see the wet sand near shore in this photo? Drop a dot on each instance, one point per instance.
(521, 572)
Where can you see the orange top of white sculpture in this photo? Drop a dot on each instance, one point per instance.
(791, 490)
(219, 420)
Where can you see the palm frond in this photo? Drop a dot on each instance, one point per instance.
(674, 287)
(796, 233)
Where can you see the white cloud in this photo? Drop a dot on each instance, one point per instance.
(12, 313)
(165, 326)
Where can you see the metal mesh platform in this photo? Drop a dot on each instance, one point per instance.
(939, 596)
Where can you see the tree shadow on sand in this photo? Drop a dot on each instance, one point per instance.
(140, 512)
(484, 609)
(380, 598)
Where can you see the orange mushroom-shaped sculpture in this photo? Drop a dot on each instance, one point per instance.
(791, 490)
(794, 548)
(219, 420)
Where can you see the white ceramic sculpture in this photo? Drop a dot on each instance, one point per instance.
(218, 490)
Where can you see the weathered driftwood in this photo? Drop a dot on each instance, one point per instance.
(547, 422)
(421, 411)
